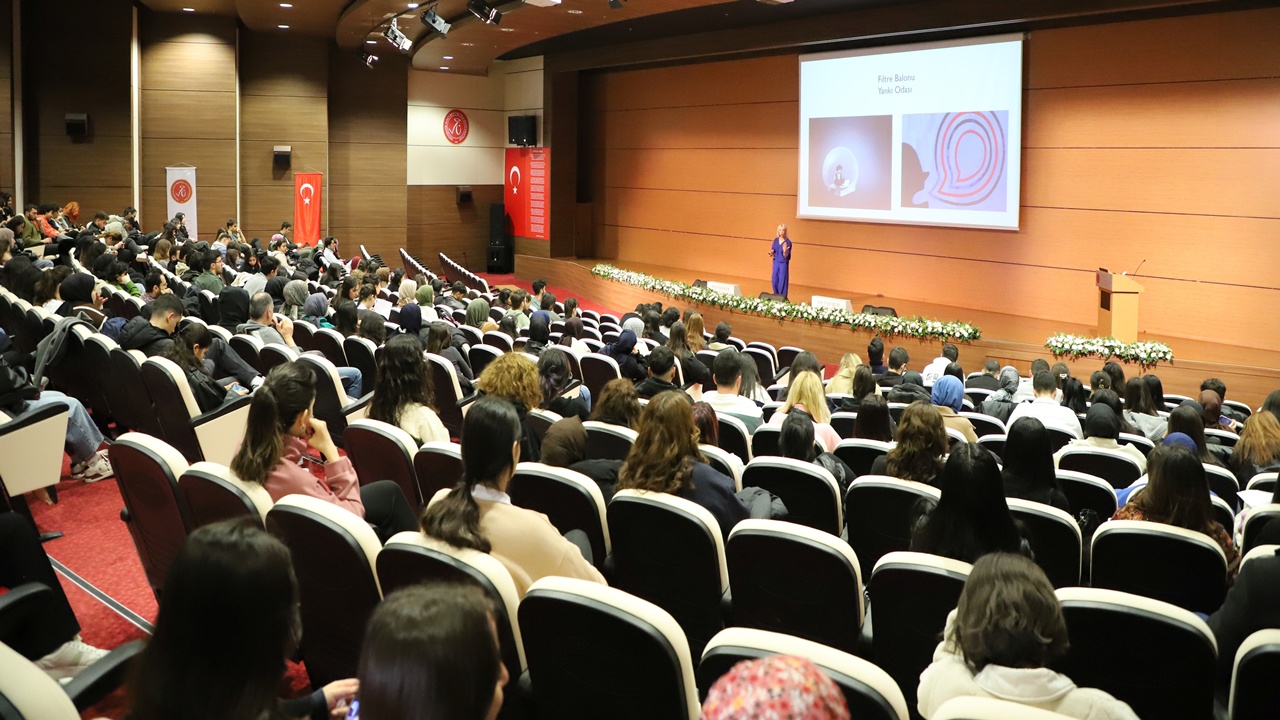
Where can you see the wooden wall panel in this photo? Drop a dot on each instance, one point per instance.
(188, 113)
(438, 224)
(1154, 140)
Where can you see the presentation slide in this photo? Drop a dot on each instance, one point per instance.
(926, 134)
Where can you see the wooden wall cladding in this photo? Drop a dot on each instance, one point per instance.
(95, 171)
(284, 99)
(1153, 140)
(438, 224)
(188, 113)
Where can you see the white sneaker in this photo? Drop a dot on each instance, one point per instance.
(99, 468)
(69, 659)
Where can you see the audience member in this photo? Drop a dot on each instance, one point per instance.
(1102, 430)
(1000, 641)
(431, 651)
(1258, 450)
(726, 398)
(665, 458)
(898, 359)
(1028, 471)
(948, 397)
(988, 380)
(797, 440)
(477, 513)
(281, 427)
(874, 421)
(403, 393)
(555, 378)
(938, 366)
(1046, 408)
(231, 593)
(805, 394)
(922, 441)
(514, 378)
(972, 517)
(776, 686)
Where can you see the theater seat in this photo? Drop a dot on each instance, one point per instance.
(570, 500)
(212, 493)
(598, 652)
(147, 471)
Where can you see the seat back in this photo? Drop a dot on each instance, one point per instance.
(1055, 540)
(381, 451)
(608, 442)
(809, 491)
(330, 344)
(734, 437)
(360, 355)
(410, 558)
(793, 579)
(479, 356)
(438, 466)
(29, 693)
(912, 593)
(594, 649)
(448, 392)
(764, 441)
(334, 555)
(212, 494)
(1167, 563)
(597, 371)
(860, 454)
(1114, 466)
(1142, 672)
(669, 551)
(881, 510)
(147, 471)
(1085, 491)
(31, 447)
(1254, 692)
(570, 500)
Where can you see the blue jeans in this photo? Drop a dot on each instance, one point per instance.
(83, 437)
(352, 381)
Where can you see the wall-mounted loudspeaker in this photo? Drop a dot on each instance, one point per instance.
(462, 194)
(77, 125)
(522, 130)
(282, 156)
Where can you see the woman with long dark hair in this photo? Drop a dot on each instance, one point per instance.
(972, 517)
(231, 593)
(922, 441)
(187, 351)
(403, 394)
(430, 651)
(477, 513)
(1028, 465)
(665, 458)
(281, 428)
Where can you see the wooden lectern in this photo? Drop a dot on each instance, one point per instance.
(1118, 306)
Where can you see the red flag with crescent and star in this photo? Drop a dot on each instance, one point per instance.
(306, 207)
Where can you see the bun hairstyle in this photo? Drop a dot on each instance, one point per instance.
(289, 389)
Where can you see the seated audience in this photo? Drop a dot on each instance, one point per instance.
(988, 380)
(691, 368)
(431, 651)
(805, 394)
(898, 359)
(188, 349)
(875, 357)
(948, 397)
(477, 513)
(874, 421)
(280, 429)
(842, 382)
(1177, 494)
(776, 686)
(1102, 430)
(1046, 408)
(514, 378)
(626, 352)
(726, 398)
(922, 441)
(619, 404)
(938, 366)
(662, 373)
(797, 440)
(1000, 641)
(972, 517)
(403, 393)
(720, 340)
(1028, 471)
(1140, 409)
(555, 377)
(1258, 449)
(665, 458)
(231, 593)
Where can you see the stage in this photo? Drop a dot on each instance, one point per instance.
(1249, 373)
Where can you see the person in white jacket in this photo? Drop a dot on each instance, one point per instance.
(999, 641)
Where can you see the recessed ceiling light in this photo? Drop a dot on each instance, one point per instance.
(283, 27)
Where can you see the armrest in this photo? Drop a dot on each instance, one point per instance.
(100, 679)
(18, 604)
(227, 409)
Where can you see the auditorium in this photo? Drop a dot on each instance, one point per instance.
(1004, 446)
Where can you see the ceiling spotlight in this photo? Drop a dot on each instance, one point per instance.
(368, 59)
(615, 4)
(397, 39)
(435, 22)
(484, 12)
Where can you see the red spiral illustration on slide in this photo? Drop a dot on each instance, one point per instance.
(969, 155)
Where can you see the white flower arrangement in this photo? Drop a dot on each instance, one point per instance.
(1145, 353)
(912, 327)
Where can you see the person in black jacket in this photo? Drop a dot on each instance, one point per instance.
(187, 350)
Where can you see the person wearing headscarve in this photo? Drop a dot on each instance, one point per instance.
(1102, 430)
(80, 298)
(948, 396)
(565, 445)
(908, 390)
(295, 296)
(1001, 403)
(478, 316)
(233, 308)
(539, 333)
(777, 686)
(572, 337)
(275, 288)
(315, 310)
(625, 353)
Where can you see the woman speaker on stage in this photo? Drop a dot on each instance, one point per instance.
(781, 254)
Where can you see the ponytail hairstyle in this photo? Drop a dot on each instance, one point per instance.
(488, 432)
(289, 389)
(182, 350)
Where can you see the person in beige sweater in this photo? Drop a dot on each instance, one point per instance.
(477, 513)
(999, 641)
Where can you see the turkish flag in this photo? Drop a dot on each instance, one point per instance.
(307, 189)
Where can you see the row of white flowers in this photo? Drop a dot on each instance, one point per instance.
(1145, 353)
(913, 327)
